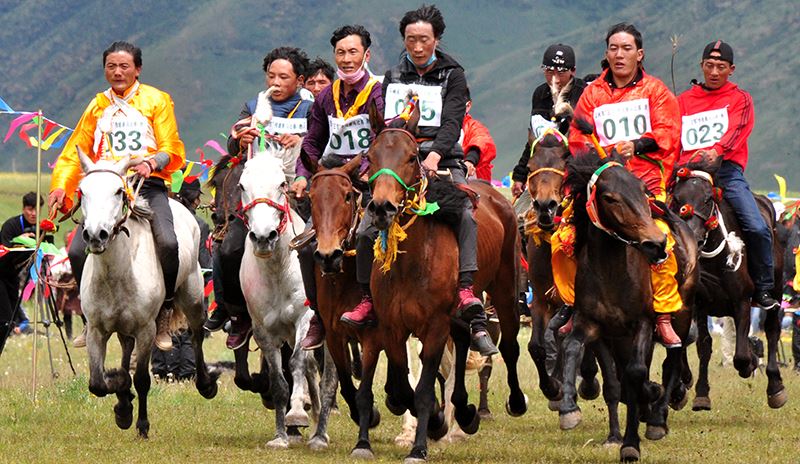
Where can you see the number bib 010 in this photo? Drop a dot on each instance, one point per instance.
(430, 102)
(348, 138)
(622, 122)
(130, 134)
(702, 130)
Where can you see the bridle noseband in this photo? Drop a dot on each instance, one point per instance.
(284, 209)
(353, 201)
(127, 201)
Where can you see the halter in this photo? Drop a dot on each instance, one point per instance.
(390, 172)
(127, 201)
(591, 204)
(284, 209)
(353, 206)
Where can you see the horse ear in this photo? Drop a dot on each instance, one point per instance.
(351, 167)
(413, 121)
(311, 164)
(375, 118)
(124, 164)
(86, 163)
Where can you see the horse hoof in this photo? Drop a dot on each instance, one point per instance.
(362, 453)
(297, 419)
(318, 443)
(628, 454)
(396, 409)
(517, 412)
(612, 442)
(143, 427)
(413, 460)
(554, 405)
(677, 406)
(701, 403)
(437, 426)
(570, 420)
(589, 391)
(278, 443)
(469, 420)
(208, 391)
(123, 416)
(485, 414)
(778, 399)
(375, 418)
(655, 432)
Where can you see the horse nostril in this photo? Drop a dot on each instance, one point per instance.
(552, 205)
(318, 257)
(85, 235)
(371, 207)
(103, 235)
(337, 254)
(252, 236)
(390, 209)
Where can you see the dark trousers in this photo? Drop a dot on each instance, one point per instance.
(163, 227)
(796, 340)
(226, 262)
(9, 293)
(179, 361)
(757, 235)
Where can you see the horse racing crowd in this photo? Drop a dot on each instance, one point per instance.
(688, 154)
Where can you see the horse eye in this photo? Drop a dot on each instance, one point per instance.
(119, 192)
(608, 198)
(239, 186)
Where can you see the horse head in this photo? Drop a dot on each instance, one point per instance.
(546, 167)
(224, 183)
(105, 200)
(394, 165)
(333, 208)
(264, 206)
(695, 198)
(616, 202)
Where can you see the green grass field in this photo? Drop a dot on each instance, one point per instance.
(68, 425)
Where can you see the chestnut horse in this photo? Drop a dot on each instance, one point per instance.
(613, 294)
(417, 295)
(725, 284)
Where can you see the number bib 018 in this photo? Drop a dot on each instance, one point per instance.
(430, 102)
(622, 122)
(702, 130)
(348, 138)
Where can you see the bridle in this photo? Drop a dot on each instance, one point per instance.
(284, 209)
(127, 202)
(352, 196)
(561, 138)
(390, 172)
(591, 203)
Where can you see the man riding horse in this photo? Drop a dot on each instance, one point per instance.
(717, 119)
(136, 120)
(635, 114)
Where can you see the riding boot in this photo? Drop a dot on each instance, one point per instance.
(561, 317)
(163, 339)
(765, 301)
(80, 340)
(315, 335)
(217, 319)
(665, 331)
(239, 335)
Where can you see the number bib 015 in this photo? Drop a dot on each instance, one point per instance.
(348, 138)
(430, 102)
(130, 134)
(622, 122)
(702, 130)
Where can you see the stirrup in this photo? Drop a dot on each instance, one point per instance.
(302, 239)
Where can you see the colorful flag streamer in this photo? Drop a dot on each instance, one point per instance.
(4, 108)
(54, 135)
(781, 186)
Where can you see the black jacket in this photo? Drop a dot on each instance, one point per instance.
(542, 104)
(449, 75)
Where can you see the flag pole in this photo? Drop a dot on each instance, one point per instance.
(36, 252)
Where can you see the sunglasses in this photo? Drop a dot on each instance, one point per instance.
(555, 69)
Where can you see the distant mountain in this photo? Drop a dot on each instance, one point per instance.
(208, 55)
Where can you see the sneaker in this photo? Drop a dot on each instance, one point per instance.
(217, 320)
(482, 343)
(665, 331)
(315, 335)
(80, 340)
(163, 338)
(239, 335)
(765, 301)
(561, 317)
(468, 304)
(362, 315)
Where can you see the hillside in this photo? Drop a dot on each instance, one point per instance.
(208, 55)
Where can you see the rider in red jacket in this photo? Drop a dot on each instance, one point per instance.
(478, 145)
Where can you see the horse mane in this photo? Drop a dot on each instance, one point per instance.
(219, 168)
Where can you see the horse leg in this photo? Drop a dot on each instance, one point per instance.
(670, 378)
(483, 385)
(550, 387)
(702, 400)
(635, 378)
(327, 394)
(466, 414)
(297, 416)
(612, 389)
(96, 346)
(589, 387)
(430, 419)
(744, 360)
(337, 348)
(368, 415)
(776, 394)
(241, 376)
(505, 303)
(141, 381)
(398, 385)
(355, 356)
(205, 381)
(569, 413)
(119, 382)
(279, 388)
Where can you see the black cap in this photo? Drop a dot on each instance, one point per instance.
(559, 56)
(190, 190)
(725, 51)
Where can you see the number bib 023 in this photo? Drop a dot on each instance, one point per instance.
(702, 130)
(348, 138)
(540, 124)
(130, 134)
(622, 122)
(430, 102)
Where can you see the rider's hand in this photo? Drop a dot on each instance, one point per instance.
(56, 199)
(708, 155)
(247, 136)
(625, 149)
(431, 162)
(298, 188)
(517, 189)
(470, 168)
(145, 168)
(288, 140)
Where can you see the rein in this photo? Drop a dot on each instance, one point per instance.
(591, 204)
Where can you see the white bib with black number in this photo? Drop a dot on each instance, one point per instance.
(702, 130)
(348, 138)
(540, 124)
(622, 122)
(430, 102)
(280, 126)
(129, 134)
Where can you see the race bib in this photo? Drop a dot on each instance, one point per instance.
(540, 124)
(129, 134)
(280, 126)
(702, 130)
(622, 122)
(430, 99)
(348, 138)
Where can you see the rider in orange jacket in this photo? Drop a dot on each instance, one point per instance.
(478, 145)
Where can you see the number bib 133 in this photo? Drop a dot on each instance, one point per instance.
(702, 130)
(430, 99)
(622, 122)
(348, 138)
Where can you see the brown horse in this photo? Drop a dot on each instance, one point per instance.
(418, 293)
(613, 293)
(725, 284)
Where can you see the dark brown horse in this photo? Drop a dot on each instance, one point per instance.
(613, 293)
(725, 284)
(418, 293)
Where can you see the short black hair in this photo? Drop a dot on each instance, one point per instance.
(121, 46)
(468, 95)
(625, 27)
(320, 66)
(426, 14)
(293, 55)
(29, 200)
(355, 29)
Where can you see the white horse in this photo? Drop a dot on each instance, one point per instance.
(273, 289)
(122, 288)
